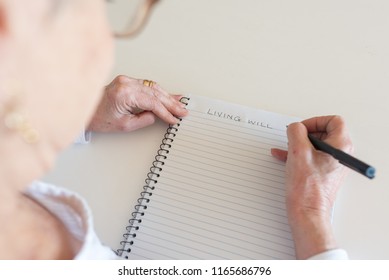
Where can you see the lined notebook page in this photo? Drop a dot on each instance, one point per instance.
(220, 193)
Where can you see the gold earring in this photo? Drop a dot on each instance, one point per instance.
(15, 121)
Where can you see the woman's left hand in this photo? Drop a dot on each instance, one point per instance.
(128, 104)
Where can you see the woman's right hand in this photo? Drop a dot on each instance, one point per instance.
(313, 179)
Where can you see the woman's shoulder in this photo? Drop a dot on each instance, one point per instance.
(73, 211)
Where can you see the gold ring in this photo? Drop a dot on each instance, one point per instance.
(148, 83)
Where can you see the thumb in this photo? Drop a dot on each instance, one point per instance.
(138, 121)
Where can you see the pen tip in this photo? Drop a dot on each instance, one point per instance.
(370, 172)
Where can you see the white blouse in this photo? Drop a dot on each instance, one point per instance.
(72, 210)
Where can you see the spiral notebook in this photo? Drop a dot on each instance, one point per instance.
(214, 191)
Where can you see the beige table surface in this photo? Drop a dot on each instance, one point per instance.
(301, 57)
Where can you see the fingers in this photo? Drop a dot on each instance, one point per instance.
(132, 96)
(318, 124)
(332, 129)
(148, 102)
(279, 154)
(177, 97)
(298, 141)
(165, 106)
(325, 125)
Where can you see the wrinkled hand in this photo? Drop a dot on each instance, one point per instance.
(313, 179)
(128, 105)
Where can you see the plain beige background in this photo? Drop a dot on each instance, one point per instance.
(300, 57)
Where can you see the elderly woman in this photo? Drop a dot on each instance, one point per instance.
(55, 56)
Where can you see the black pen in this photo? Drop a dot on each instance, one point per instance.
(343, 158)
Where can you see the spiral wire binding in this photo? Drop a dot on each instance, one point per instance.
(151, 181)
